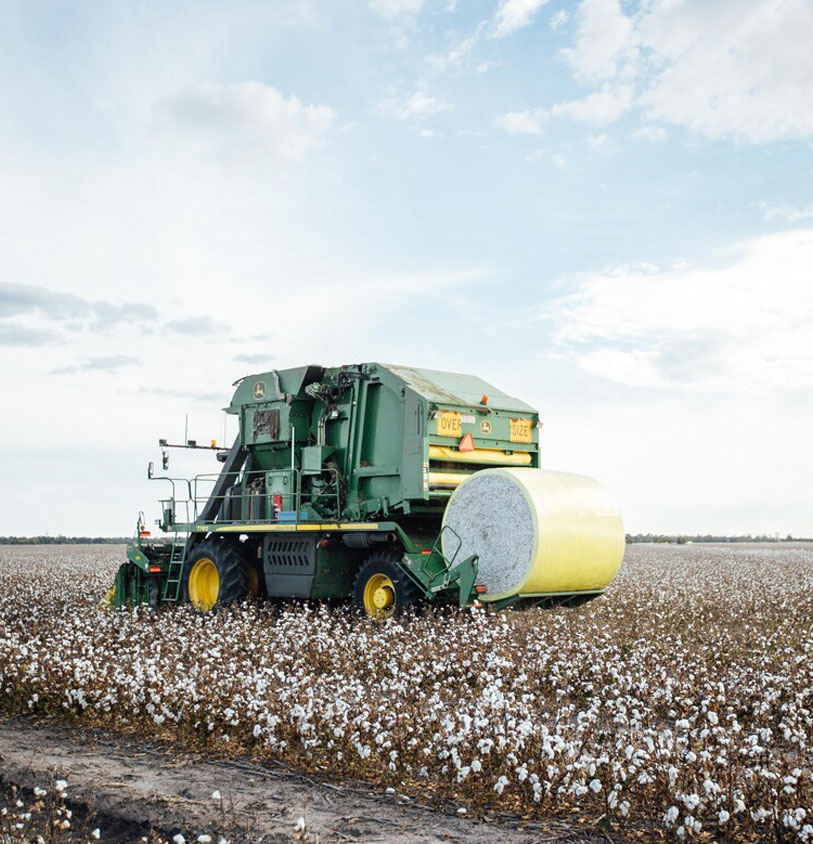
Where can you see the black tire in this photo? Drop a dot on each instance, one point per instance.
(381, 570)
(232, 575)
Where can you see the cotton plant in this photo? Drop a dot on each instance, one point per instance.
(681, 698)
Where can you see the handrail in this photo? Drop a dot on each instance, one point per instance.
(293, 501)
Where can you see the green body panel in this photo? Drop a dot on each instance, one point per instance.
(336, 569)
(371, 426)
(326, 452)
(137, 556)
(132, 586)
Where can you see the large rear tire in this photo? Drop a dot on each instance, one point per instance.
(382, 589)
(217, 574)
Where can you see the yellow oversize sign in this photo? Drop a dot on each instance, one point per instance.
(520, 430)
(449, 424)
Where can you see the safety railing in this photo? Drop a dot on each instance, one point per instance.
(248, 501)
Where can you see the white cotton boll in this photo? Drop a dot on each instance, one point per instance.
(299, 826)
(671, 815)
(691, 801)
(788, 820)
(178, 839)
(723, 816)
(204, 839)
(216, 795)
(61, 785)
(96, 834)
(595, 786)
(461, 810)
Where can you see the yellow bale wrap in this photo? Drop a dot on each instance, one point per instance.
(536, 531)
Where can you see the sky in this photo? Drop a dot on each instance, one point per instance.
(604, 208)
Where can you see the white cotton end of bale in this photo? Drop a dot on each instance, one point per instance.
(535, 531)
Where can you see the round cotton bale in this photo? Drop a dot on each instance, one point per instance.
(535, 531)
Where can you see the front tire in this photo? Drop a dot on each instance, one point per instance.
(216, 574)
(382, 589)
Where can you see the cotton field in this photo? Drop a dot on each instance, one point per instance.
(680, 703)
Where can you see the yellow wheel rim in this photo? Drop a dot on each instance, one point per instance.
(379, 596)
(204, 584)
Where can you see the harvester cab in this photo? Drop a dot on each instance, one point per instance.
(385, 484)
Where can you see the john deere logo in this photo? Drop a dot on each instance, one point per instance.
(485, 427)
(259, 389)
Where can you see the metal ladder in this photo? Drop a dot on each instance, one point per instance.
(177, 558)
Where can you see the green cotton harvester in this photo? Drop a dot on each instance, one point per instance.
(383, 484)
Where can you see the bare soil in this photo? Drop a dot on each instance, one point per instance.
(135, 789)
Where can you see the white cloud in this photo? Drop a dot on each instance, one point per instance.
(459, 51)
(522, 122)
(247, 118)
(791, 213)
(734, 68)
(419, 104)
(559, 19)
(601, 107)
(512, 15)
(395, 8)
(633, 368)
(426, 133)
(742, 327)
(604, 42)
(650, 133)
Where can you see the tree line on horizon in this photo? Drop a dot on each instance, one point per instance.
(64, 540)
(683, 539)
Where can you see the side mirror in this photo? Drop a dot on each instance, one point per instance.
(149, 470)
(165, 460)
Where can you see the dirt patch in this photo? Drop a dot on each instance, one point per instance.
(134, 788)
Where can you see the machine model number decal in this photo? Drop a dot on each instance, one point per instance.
(448, 422)
(520, 430)
(259, 389)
